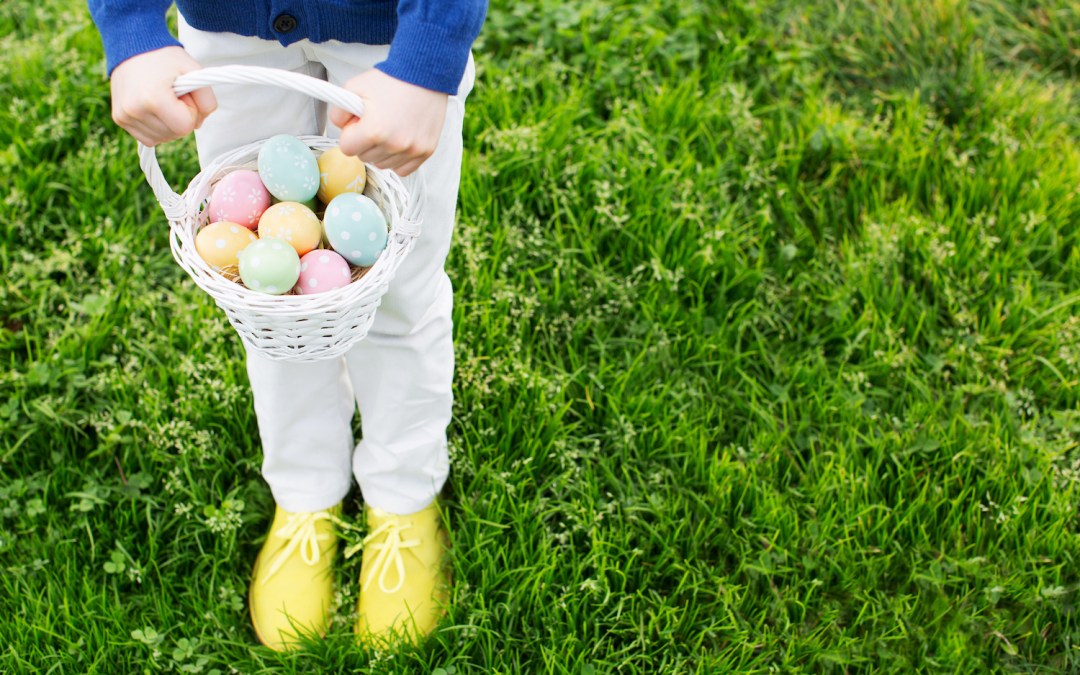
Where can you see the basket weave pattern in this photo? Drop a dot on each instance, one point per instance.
(288, 327)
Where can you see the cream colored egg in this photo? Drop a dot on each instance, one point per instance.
(220, 243)
(293, 222)
(340, 173)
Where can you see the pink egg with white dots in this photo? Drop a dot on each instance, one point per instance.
(239, 197)
(322, 270)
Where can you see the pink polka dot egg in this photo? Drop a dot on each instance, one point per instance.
(239, 197)
(322, 270)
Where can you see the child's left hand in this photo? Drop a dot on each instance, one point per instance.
(401, 124)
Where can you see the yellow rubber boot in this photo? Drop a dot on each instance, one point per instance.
(292, 584)
(404, 585)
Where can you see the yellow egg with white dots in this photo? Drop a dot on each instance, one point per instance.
(220, 243)
(339, 173)
(293, 222)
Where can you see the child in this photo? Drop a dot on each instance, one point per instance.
(410, 62)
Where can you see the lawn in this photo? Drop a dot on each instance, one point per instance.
(768, 344)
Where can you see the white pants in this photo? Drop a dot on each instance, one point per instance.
(400, 374)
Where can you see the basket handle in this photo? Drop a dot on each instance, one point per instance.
(171, 202)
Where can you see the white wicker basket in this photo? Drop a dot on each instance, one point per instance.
(287, 327)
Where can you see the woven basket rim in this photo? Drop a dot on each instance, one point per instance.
(385, 187)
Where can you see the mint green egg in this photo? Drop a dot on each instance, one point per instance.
(288, 169)
(270, 265)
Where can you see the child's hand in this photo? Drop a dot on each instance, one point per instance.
(401, 124)
(143, 102)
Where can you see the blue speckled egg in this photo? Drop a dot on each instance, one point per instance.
(288, 169)
(356, 228)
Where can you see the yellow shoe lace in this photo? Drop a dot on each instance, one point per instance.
(388, 553)
(299, 529)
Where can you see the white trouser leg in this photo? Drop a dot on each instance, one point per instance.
(402, 371)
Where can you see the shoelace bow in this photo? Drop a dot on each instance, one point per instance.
(299, 530)
(388, 553)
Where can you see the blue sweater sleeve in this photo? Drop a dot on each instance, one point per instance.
(131, 27)
(432, 42)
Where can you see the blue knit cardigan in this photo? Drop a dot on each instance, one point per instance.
(429, 39)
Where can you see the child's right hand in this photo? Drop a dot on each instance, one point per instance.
(143, 102)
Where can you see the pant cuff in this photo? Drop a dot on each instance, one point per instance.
(293, 502)
(397, 505)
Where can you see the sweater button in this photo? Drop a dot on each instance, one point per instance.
(285, 23)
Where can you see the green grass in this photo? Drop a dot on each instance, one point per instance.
(768, 333)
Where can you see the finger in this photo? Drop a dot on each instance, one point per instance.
(141, 136)
(410, 166)
(178, 117)
(410, 161)
(150, 132)
(383, 152)
(205, 102)
(142, 121)
(199, 116)
(157, 130)
(404, 162)
(393, 162)
(194, 109)
(341, 117)
(355, 138)
(383, 157)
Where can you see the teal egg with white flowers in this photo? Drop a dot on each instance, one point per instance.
(356, 228)
(288, 168)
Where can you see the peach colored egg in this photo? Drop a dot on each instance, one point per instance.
(340, 173)
(293, 222)
(220, 243)
(322, 270)
(239, 197)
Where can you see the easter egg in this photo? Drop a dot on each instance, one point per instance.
(288, 169)
(293, 222)
(339, 173)
(239, 197)
(270, 266)
(322, 271)
(220, 243)
(356, 228)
